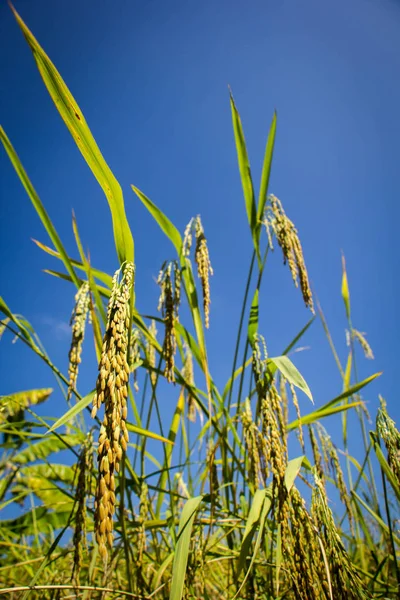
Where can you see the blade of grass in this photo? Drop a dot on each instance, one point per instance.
(77, 126)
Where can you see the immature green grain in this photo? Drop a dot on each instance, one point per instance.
(286, 234)
(332, 465)
(112, 391)
(306, 566)
(300, 428)
(134, 354)
(345, 580)
(151, 351)
(316, 453)
(78, 323)
(188, 375)
(169, 280)
(144, 506)
(82, 489)
(360, 337)
(204, 268)
(390, 435)
(251, 439)
(272, 442)
(212, 468)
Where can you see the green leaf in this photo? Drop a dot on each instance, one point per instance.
(161, 219)
(373, 514)
(12, 404)
(384, 464)
(292, 470)
(322, 413)
(77, 126)
(330, 407)
(251, 526)
(266, 171)
(100, 275)
(147, 433)
(289, 371)
(44, 447)
(257, 516)
(40, 209)
(72, 412)
(182, 547)
(245, 175)
(253, 319)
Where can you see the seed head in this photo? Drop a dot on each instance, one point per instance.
(204, 268)
(169, 280)
(111, 389)
(275, 220)
(78, 323)
(360, 337)
(82, 488)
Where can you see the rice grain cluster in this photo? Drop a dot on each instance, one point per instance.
(112, 391)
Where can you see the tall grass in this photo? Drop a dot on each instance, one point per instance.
(215, 503)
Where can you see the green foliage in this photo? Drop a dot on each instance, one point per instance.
(216, 502)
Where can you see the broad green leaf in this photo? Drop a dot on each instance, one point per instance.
(251, 526)
(266, 171)
(46, 522)
(40, 209)
(182, 547)
(292, 470)
(77, 126)
(265, 507)
(13, 403)
(162, 220)
(72, 412)
(245, 175)
(289, 371)
(50, 471)
(44, 447)
(50, 495)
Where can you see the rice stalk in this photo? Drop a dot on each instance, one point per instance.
(112, 391)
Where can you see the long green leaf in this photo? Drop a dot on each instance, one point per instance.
(77, 126)
(161, 219)
(182, 547)
(40, 209)
(266, 171)
(245, 175)
(72, 412)
(290, 372)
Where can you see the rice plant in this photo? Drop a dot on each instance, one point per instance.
(218, 502)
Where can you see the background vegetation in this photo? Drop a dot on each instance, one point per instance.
(234, 496)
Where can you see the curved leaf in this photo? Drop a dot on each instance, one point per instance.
(77, 126)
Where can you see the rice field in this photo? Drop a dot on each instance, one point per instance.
(241, 495)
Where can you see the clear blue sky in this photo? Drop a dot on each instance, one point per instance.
(151, 79)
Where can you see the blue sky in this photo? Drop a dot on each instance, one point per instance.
(152, 81)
